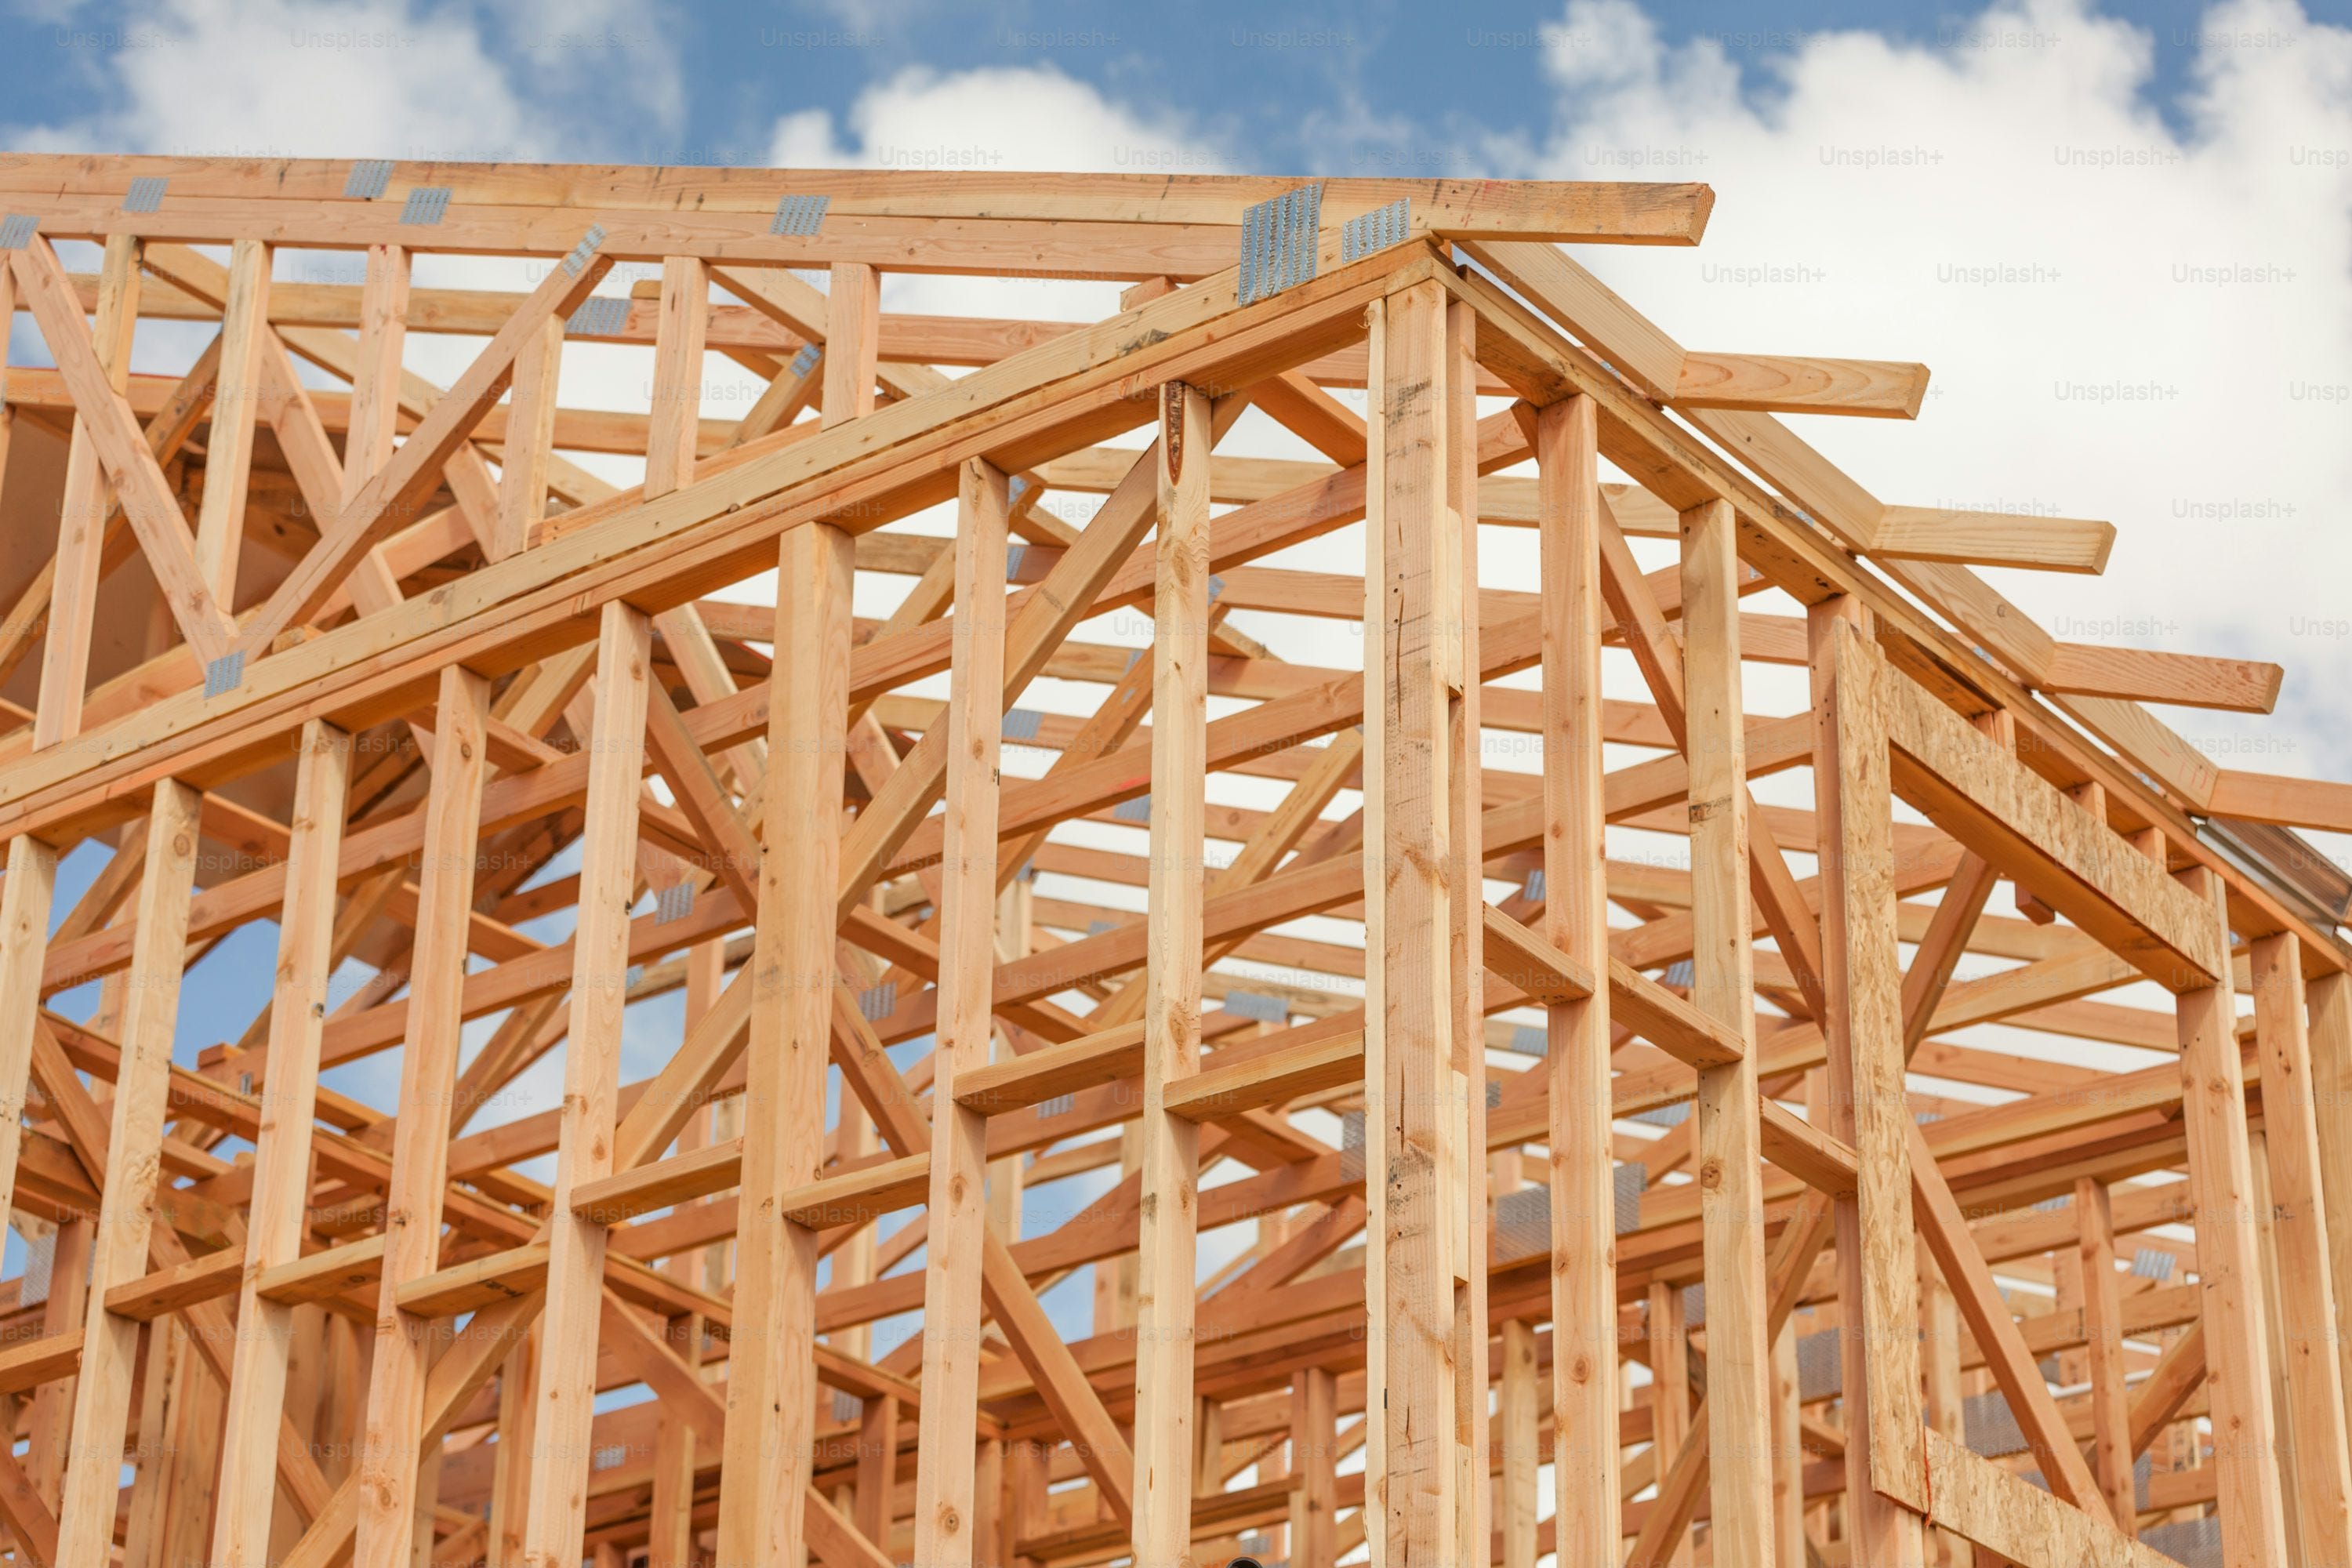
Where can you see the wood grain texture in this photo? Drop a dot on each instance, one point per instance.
(396, 1417)
(2330, 1038)
(2103, 1338)
(228, 453)
(769, 1399)
(2220, 1181)
(1781, 383)
(1724, 986)
(944, 1523)
(101, 1394)
(1417, 1245)
(2303, 1331)
(1169, 1151)
(1586, 1456)
(282, 1142)
(554, 1526)
(1864, 1087)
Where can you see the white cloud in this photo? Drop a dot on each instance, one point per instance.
(275, 78)
(993, 120)
(609, 60)
(2124, 322)
(395, 78)
(1877, 186)
(386, 78)
(996, 118)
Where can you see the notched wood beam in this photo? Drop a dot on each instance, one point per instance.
(1669, 1022)
(322, 1276)
(1019, 1082)
(1269, 1080)
(2147, 675)
(179, 1287)
(1779, 384)
(856, 1197)
(681, 1178)
(1822, 1163)
(1993, 539)
(476, 1283)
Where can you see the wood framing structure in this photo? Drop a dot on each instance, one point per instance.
(907, 804)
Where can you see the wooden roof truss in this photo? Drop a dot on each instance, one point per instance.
(415, 666)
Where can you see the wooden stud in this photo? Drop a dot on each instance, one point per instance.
(1739, 1349)
(282, 1145)
(555, 1525)
(1667, 1321)
(1867, 1107)
(2220, 1181)
(518, 1443)
(671, 1507)
(166, 1389)
(1585, 1450)
(1518, 1417)
(2310, 1419)
(768, 1403)
(1939, 1345)
(2330, 1039)
(228, 452)
(677, 375)
(524, 459)
(991, 1530)
(1787, 1449)
(853, 330)
(1465, 940)
(944, 1478)
(28, 892)
(101, 1410)
(1314, 1457)
(1169, 1151)
(375, 367)
(2102, 1334)
(2281, 1401)
(397, 1422)
(1418, 1127)
(877, 1467)
(54, 1401)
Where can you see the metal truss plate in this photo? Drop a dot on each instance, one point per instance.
(799, 216)
(599, 316)
(1376, 230)
(368, 178)
(1280, 239)
(426, 207)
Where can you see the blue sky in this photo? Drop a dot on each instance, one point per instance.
(1273, 87)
